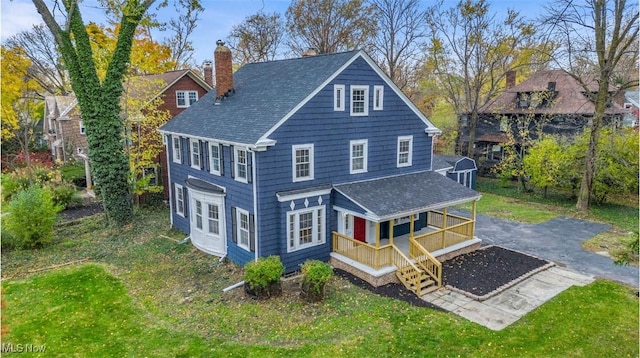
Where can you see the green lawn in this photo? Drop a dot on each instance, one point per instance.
(143, 294)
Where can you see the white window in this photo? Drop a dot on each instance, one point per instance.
(405, 219)
(378, 97)
(306, 228)
(241, 165)
(358, 156)
(405, 149)
(179, 193)
(338, 97)
(214, 219)
(359, 100)
(177, 150)
(195, 153)
(242, 218)
(302, 162)
(214, 158)
(199, 214)
(83, 130)
(185, 99)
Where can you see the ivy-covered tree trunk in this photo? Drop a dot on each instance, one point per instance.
(100, 101)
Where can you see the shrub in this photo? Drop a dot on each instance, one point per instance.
(31, 217)
(315, 275)
(262, 277)
(66, 196)
(75, 173)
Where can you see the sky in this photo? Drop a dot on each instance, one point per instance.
(216, 21)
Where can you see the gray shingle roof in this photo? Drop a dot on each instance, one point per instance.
(402, 195)
(264, 93)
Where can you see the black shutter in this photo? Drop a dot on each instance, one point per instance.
(173, 197)
(252, 233)
(201, 144)
(249, 167)
(185, 200)
(233, 161)
(234, 226)
(206, 162)
(189, 151)
(221, 154)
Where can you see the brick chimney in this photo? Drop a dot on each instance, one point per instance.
(511, 78)
(208, 72)
(224, 71)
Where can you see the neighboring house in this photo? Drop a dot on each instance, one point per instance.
(632, 108)
(66, 134)
(549, 101)
(319, 157)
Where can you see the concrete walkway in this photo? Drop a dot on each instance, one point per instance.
(508, 306)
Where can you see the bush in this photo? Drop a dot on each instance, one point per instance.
(74, 173)
(262, 277)
(66, 196)
(315, 275)
(31, 217)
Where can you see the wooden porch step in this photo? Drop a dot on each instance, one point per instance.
(426, 284)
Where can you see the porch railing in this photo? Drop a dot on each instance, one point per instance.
(451, 235)
(362, 252)
(410, 275)
(434, 218)
(426, 261)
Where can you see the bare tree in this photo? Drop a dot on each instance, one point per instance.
(46, 63)
(400, 36)
(182, 27)
(470, 53)
(598, 36)
(257, 38)
(329, 26)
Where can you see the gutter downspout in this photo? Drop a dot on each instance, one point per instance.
(169, 179)
(255, 201)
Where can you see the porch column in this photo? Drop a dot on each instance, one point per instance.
(444, 218)
(473, 218)
(377, 234)
(411, 227)
(391, 232)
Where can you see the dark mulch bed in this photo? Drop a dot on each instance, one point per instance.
(391, 290)
(81, 211)
(483, 271)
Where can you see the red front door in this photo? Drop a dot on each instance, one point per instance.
(359, 228)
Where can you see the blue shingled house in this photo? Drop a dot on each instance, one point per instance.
(319, 157)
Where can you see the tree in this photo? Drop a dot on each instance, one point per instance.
(400, 34)
(99, 99)
(257, 38)
(182, 27)
(46, 64)
(329, 26)
(603, 34)
(21, 106)
(544, 163)
(471, 51)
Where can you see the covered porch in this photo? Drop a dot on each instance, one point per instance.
(405, 227)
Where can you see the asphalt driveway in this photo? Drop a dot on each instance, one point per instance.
(556, 240)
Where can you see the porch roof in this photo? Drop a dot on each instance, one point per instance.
(387, 198)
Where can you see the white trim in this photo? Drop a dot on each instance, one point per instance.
(318, 235)
(410, 153)
(195, 144)
(210, 159)
(365, 155)
(254, 181)
(294, 148)
(307, 194)
(338, 97)
(239, 229)
(170, 187)
(364, 88)
(236, 163)
(179, 189)
(176, 158)
(378, 98)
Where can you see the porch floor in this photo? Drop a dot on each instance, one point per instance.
(402, 241)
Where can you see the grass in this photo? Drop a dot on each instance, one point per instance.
(144, 294)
